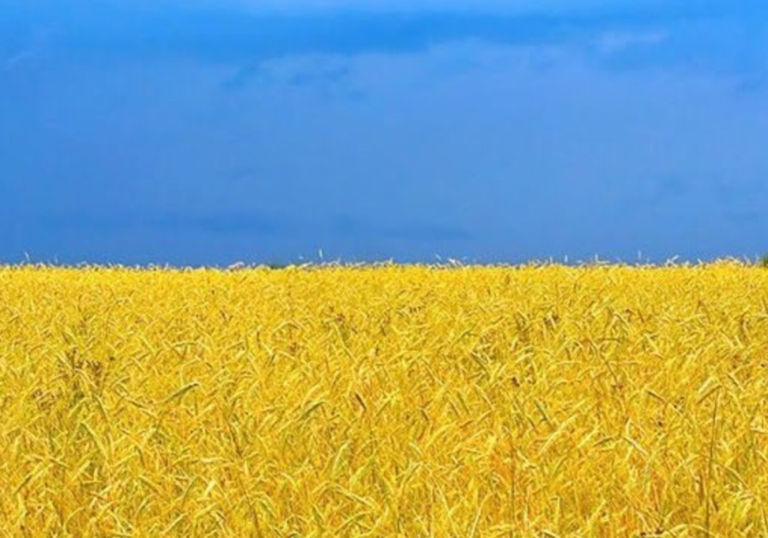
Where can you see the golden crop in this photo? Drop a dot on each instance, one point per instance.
(384, 401)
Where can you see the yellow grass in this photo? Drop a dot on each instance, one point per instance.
(408, 401)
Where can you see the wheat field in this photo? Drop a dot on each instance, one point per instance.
(384, 401)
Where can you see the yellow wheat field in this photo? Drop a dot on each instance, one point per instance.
(384, 401)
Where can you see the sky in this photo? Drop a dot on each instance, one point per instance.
(201, 132)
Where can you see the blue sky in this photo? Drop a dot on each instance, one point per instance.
(193, 132)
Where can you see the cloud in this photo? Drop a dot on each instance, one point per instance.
(319, 77)
(315, 75)
(612, 41)
(242, 77)
(745, 217)
(668, 190)
(217, 224)
(229, 224)
(234, 34)
(349, 226)
(16, 59)
(617, 34)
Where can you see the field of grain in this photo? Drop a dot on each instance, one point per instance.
(384, 401)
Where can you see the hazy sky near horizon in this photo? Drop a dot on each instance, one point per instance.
(210, 132)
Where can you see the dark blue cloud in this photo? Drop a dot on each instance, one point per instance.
(727, 37)
(229, 35)
(349, 226)
(228, 223)
(251, 224)
(225, 33)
